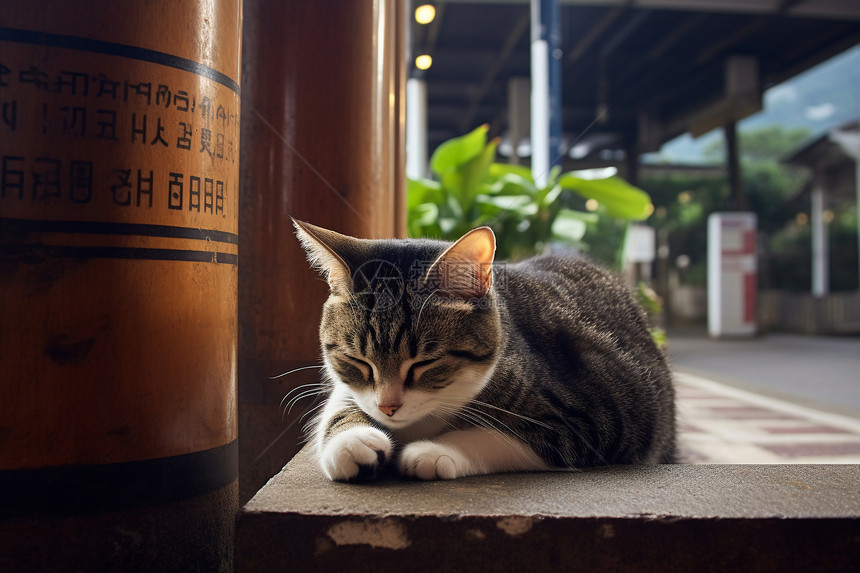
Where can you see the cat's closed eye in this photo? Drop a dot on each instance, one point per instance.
(418, 368)
(363, 366)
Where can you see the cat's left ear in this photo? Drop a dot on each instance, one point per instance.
(323, 248)
(465, 269)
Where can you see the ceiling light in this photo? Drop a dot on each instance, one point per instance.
(425, 13)
(423, 62)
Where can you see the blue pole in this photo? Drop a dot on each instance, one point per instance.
(546, 88)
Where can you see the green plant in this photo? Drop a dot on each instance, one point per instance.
(470, 190)
(652, 303)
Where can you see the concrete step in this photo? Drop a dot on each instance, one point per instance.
(622, 518)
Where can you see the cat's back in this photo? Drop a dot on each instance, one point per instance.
(567, 289)
(562, 310)
(578, 334)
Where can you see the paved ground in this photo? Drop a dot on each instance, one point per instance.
(770, 399)
(820, 371)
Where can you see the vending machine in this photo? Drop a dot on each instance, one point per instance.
(732, 280)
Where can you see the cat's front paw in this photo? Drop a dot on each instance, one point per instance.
(355, 453)
(430, 460)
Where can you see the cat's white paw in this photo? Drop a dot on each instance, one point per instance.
(430, 460)
(355, 453)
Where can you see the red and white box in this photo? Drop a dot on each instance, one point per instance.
(732, 274)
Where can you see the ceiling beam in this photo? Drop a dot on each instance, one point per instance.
(594, 33)
(630, 27)
(830, 9)
(520, 28)
(754, 26)
(639, 66)
(833, 45)
(682, 84)
(684, 28)
(727, 42)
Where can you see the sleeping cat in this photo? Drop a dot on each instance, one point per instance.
(455, 366)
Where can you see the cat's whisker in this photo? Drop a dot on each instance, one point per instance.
(314, 409)
(296, 370)
(297, 398)
(444, 419)
(302, 388)
(489, 421)
(354, 306)
(315, 420)
(450, 412)
(418, 320)
(582, 439)
(514, 414)
(502, 424)
(276, 440)
(471, 419)
(520, 416)
(482, 419)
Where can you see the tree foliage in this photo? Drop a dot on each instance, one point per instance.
(773, 191)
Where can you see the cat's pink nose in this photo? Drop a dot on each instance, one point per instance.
(389, 409)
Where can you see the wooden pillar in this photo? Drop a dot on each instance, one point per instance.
(322, 142)
(398, 89)
(119, 177)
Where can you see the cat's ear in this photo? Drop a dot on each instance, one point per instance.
(323, 247)
(465, 269)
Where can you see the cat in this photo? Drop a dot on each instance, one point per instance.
(457, 366)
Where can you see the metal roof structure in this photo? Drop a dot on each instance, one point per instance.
(635, 73)
(833, 167)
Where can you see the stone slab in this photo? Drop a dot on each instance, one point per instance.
(666, 518)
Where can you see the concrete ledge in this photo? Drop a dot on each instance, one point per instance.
(661, 518)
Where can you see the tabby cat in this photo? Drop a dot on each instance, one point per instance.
(456, 366)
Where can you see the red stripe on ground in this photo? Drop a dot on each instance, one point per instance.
(749, 413)
(819, 449)
(806, 430)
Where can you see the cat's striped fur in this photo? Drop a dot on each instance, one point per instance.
(457, 367)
